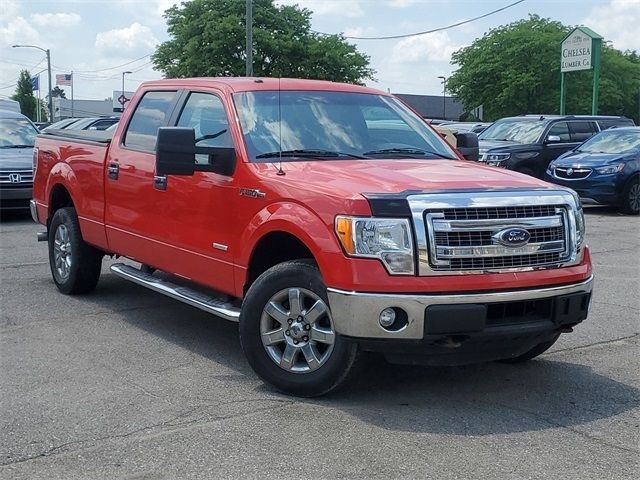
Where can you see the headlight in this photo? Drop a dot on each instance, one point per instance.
(610, 168)
(580, 225)
(387, 239)
(496, 159)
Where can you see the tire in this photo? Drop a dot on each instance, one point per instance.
(631, 197)
(295, 349)
(75, 265)
(533, 353)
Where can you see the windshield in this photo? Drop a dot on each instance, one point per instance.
(613, 141)
(329, 125)
(16, 133)
(519, 131)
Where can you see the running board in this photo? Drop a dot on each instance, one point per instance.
(184, 294)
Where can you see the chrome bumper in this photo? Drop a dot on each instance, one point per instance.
(34, 210)
(356, 314)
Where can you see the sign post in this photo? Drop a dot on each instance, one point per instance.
(581, 50)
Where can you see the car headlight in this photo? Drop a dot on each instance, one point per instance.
(610, 168)
(387, 239)
(496, 159)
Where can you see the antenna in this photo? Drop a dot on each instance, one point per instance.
(280, 171)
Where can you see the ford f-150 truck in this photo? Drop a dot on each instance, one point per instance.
(327, 219)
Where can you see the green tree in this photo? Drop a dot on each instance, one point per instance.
(24, 95)
(57, 92)
(515, 69)
(208, 39)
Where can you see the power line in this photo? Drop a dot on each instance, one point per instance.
(393, 37)
(117, 66)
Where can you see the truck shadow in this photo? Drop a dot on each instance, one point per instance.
(474, 400)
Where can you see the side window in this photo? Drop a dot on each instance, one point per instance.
(151, 113)
(560, 129)
(581, 131)
(205, 113)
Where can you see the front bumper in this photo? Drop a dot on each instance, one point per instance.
(356, 314)
(15, 198)
(596, 188)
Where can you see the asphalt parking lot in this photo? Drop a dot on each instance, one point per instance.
(125, 383)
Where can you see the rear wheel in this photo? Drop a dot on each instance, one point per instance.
(534, 352)
(288, 335)
(631, 197)
(75, 265)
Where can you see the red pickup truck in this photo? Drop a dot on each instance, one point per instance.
(327, 219)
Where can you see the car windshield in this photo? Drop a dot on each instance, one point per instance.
(319, 125)
(17, 133)
(519, 131)
(613, 141)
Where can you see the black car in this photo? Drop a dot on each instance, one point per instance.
(528, 143)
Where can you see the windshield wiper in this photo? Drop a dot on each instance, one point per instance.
(407, 151)
(17, 146)
(308, 153)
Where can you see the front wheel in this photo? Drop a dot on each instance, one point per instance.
(75, 265)
(288, 335)
(631, 197)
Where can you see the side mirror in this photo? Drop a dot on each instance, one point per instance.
(176, 154)
(553, 139)
(176, 151)
(468, 145)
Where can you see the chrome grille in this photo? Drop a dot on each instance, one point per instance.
(483, 213)
(569, 173)
(16, 177)
(464, 232)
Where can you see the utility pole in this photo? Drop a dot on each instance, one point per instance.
(48, 71)
(249, 47)
(444, 97)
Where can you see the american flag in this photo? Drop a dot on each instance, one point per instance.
(63, 79)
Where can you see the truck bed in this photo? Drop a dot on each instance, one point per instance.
(94, 136)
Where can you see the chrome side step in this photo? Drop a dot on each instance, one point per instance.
(184, 294)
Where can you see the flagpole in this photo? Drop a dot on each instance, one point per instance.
(72, 115)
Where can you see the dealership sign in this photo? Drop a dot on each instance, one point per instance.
(576, 52)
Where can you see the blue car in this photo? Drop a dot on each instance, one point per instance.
(604, 170)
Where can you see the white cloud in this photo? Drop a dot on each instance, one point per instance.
(359, 31)
(402, 3)
(338, 8)
(433, 46)
(18, 30)
(136, 38)
(617, 21)
(55, 19)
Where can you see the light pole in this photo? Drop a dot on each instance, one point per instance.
(444, 97)
(49, 73)
(123, 95)
(249, 34)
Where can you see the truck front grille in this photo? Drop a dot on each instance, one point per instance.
(462, 233)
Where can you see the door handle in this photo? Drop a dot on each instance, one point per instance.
(160, 182)
(112, 171)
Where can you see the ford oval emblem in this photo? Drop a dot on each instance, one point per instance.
(512, 237)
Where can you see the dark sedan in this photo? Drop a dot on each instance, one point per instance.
(603, 170)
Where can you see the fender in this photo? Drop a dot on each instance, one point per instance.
(296, 220)
(92, 229)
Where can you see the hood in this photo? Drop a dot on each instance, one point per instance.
(585, 159)
(16, 158)
(349, 179)
(495, 144)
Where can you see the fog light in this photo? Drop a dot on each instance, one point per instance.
(387, 317)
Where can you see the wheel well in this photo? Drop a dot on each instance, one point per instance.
(60, 198)
(272, 249)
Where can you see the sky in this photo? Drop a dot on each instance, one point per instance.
(99, 39)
